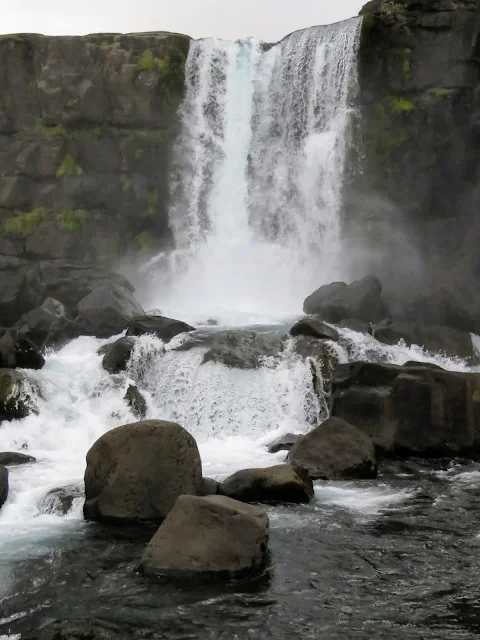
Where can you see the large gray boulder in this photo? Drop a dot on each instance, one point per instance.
(17, 351)
(17, 395)
(335, 450)
(361, 300)
(13, 459)
(136, 472)
(163, 328)
(417, 409)
(3, 485)
(48, 325)
(117, 354)
(213, 536)
(281, 483)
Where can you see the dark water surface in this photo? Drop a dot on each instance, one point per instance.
(393, 558)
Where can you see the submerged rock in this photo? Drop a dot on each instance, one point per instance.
(417, 409)
(239, 349)
(361, 300)
(335, 450)
(58, 502)
(11, 458)
(208, 537)
(360, 326)
(136, 402)
(281, 483)
(164, 328)
(117, 354)
(435, 339)
(284, 443)
(16, 395)
(313, 326)
(3, 485)
(17, 351)
(136, 472)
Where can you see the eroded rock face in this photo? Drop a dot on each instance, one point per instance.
(208, 537)
(164, 328)
(136, 472)
(3, 485)
(416, 409)
(281, 483)
(335, 450)
(361, 300)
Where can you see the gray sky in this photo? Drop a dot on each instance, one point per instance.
(266, 19)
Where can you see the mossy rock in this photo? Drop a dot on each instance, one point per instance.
(17, 393)
(69, 168)
(24, 223)
(69, 220)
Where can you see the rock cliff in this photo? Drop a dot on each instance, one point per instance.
(86, 127)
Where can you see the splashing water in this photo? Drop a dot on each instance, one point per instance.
(257, 193)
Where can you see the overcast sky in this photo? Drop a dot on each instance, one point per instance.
(266, 19)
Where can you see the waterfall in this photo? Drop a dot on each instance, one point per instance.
(257, 185)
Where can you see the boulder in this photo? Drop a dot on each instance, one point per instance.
(335, 450)
(136, 402)
(3, 485)
(417, 409)
(58, 502)
(16, 395)
(361, 300)
(11, 459)
(281, 483)
(284, 443)
(313, 326)
(360, 326)
(164, 328)
(209, 487)
(445, 308)
(17, 351)
(48, 325)
(213, 536)
(107, 310)
(136, 472)
(434, 339)
(117, 354)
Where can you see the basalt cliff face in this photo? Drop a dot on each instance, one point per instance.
(86, 129)
(414, 199)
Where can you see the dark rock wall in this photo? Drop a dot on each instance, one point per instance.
(414, 191)
(86, 128)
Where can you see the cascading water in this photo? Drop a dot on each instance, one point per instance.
(258, 178)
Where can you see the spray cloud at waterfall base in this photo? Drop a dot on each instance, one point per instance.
(256, 195)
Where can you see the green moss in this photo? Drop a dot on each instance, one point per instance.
(11, 37)
(71, 220)
(144, 241)
(170, 69)
(147, 62)
(69, 167)
(369, 22)
(55, 131)
(393, 14)
(23, 224)
(126, 187)
(139, 154)
(440, 92)
(400, 105)
(152, 201)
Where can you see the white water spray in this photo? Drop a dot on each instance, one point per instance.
(258, 176)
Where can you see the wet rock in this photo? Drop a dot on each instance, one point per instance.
(48, 325)
(136, 402)
(164, 328)
(3, 485)
(239, 349)
(77, 630)
(10, 459)
(411, 410)
(446, 308)
(17, 393)
(355, 325)
(58, 502)
(434, 339)
(136, 472)
(117, 354)
(209, 487)
(361, 300)
(284, 443)
(17, 351)
(281, 483)
(335, 450)
(313, 326)
(208, 537)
